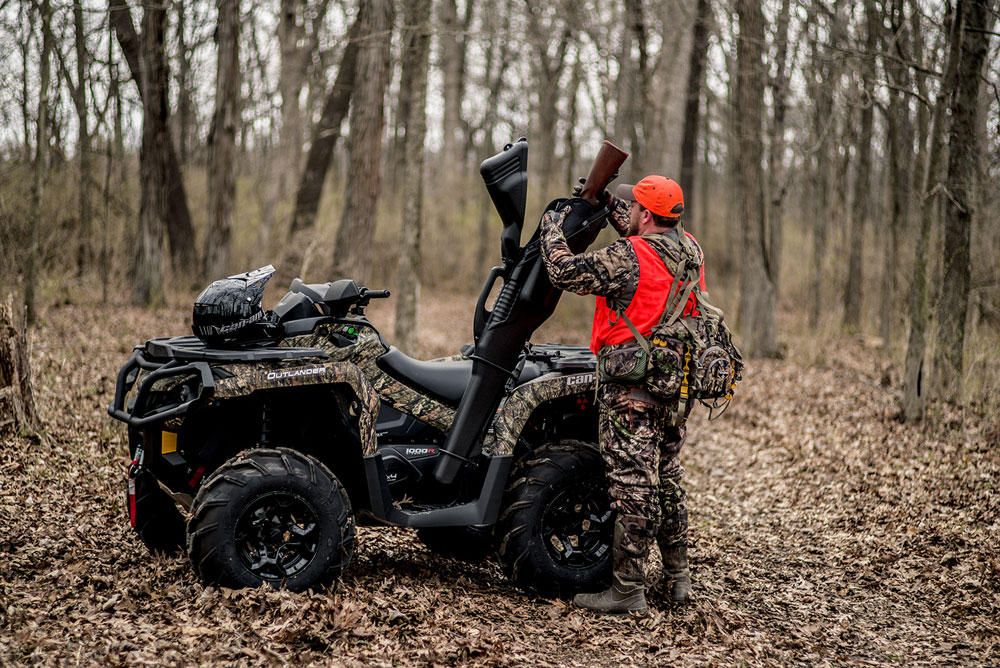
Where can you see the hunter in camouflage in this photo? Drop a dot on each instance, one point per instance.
(639, 445)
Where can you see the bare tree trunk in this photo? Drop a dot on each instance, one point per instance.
(827, 69)
(178, 218)
(84, 255)
(352, 255)
(41, 152)
(453, 69)
(696, 77)
(184, 103)
(960, 203)
(776, 174)
(17, 397)
(914, 378)
(862, 177)
(900, 149)
(222, 143)
(547, 70)
(290, 35)
(147, 273)
(757, 291)
(325, 136)
(416, 47)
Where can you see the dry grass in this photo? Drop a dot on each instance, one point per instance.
(824, 533)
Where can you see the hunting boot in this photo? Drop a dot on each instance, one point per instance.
(627, 593)
(676, 576)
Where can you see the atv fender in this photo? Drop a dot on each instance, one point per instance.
(517, 409)
(247, 379)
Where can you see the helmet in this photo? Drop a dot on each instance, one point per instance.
(228, 311)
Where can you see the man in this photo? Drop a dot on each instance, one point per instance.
(639, 445)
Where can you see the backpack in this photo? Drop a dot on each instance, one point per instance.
(684, 357)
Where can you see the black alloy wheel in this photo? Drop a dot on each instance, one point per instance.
(271, 516)
(575, 525)
(277, 536)
(556, 525)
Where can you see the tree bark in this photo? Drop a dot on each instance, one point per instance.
(17, 397)
(416, 47)
(41, 153)
(695, 80)
(862, 176)
(900, 153)
(147, 273)
(325, 136)
(914, 376)
(84, 255)
(222, 143)
(178, 219)
(352, 255)
(960, 201)
(184, 103)
(757, 284)
(776, 174)
(453, 68)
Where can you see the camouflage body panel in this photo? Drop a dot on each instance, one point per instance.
(248, 378)
(366, 348)
(514, 412)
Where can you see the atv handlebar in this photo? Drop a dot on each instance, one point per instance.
(374, 294)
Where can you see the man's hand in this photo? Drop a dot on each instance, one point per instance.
(605, 198)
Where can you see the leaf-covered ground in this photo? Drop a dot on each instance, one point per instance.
(824, 532)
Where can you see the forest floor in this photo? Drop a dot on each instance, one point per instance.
(825, 532)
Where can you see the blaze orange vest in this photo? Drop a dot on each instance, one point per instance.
(646, 307)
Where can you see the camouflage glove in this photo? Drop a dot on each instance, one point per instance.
(605, 198)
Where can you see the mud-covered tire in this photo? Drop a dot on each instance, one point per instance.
(276, 516)
(159, 523)
(470, 543)
(556, 524)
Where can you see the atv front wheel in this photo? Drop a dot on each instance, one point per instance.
(275, 516)
(556, 526)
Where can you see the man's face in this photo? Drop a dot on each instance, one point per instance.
(634, 216)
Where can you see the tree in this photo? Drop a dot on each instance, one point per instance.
(453, 47)
(178, 216)
(222, 142)
(914, 378)
(147, 274)
(960, 190)
(862, 175)
(352, 254)
(325, 136)
(416, 47)
(696, 77)
(41, 151)
(757, 282)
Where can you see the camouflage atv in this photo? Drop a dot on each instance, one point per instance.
(259, 457)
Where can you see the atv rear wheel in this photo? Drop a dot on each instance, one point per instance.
(470, 543)
(556, 525)
(275, 516)
(157, 521)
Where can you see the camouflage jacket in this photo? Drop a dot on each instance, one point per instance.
(611, 272)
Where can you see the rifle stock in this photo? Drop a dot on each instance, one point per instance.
(609, 159)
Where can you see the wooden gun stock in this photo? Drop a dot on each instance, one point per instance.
(609, 159)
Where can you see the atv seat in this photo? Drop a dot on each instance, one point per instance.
(445, 381)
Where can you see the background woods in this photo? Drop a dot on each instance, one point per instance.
(839, 158)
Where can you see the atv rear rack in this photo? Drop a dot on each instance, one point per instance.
(182, 356)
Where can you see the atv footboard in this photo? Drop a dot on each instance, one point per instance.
(526, 300)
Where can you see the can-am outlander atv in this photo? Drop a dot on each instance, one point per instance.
(276, 432)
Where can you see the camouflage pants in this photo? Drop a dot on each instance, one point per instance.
(640, 450)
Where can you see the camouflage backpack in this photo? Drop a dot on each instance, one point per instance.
(687, 356)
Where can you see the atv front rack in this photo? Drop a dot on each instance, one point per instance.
(181, 356)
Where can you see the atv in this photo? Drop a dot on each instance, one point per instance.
(259, 457)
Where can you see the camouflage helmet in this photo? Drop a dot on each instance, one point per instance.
(226, 312)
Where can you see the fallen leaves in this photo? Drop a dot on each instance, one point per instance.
(824, 532)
